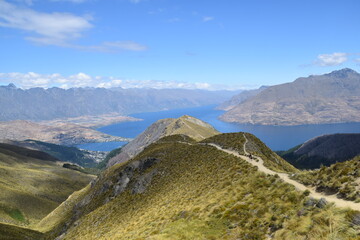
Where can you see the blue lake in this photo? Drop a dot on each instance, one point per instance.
(276, 137)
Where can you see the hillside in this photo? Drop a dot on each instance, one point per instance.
(179, 189)
(185, 125)
(342, 179)
(81, 157)
(47, 104)
(32, 184)
(237, 141)
(317, 99)
(67, 134)
(323, 150)
(239, 98)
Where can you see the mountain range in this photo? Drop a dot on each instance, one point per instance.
(46, 104)
(317, 99)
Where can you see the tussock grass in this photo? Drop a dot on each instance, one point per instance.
(342, 178)
(201, 193)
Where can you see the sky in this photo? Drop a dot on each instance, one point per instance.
(203, 44)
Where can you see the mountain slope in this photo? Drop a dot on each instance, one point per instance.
(46, 104)
(32, 184)
(240, 141)
(179, 189)
(185, 125)
(239, 98)
(328, 98)
(324, 150)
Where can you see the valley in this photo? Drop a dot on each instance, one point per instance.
(33, 184)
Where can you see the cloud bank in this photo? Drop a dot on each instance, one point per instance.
(31, 79)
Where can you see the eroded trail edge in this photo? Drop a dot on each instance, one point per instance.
(259, 162)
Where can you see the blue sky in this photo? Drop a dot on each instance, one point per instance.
(210, 44)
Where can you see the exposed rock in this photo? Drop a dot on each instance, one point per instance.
(143, 182)
(321, 203)
(356, 219)
(311, 202)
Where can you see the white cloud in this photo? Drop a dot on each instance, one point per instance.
(45, 28)
(208, 18)
(332, 59)
(58, 29)
(31, 79)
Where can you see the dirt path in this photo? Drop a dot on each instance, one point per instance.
(257, 161)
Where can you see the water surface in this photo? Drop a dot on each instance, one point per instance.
(276, 137)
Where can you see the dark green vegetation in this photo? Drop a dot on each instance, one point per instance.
(63, 153)
(179, 189)
(32, 184)
(24, 152)
(236, 141)
(323, 150)
(341, 178)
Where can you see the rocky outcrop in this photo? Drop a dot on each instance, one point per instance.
(317, 99)
(185, 125)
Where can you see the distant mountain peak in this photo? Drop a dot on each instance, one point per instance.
(342, 73)
(11, 86)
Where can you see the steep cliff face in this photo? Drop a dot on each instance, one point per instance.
(185, 125)
(328, 98)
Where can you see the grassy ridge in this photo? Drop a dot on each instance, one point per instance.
(31, 188)
(198, 192)
(235, 141)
